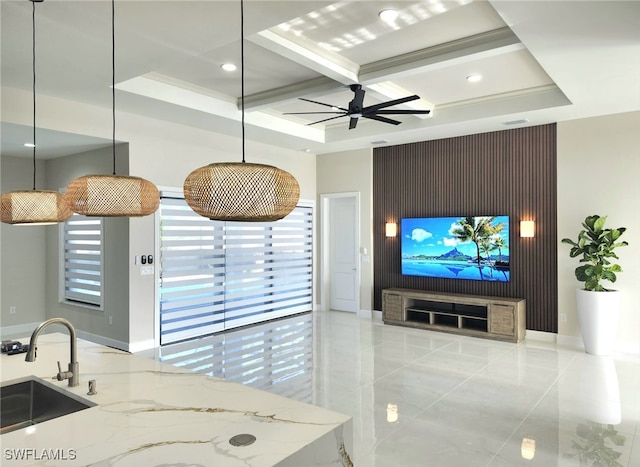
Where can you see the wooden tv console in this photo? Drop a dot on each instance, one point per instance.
(499, 318)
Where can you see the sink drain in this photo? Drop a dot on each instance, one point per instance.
(242, 440)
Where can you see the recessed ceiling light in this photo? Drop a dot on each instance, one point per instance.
(474, 78)
(29, 145)
(228, 67)
(388, 15)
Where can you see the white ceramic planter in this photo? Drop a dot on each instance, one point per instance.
(598, 314)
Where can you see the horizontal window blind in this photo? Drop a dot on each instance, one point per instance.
(191, 273)
(83, 260)
(221, 275)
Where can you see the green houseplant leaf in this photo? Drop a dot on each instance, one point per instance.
(594, 246)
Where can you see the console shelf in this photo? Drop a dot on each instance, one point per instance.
(497, 318)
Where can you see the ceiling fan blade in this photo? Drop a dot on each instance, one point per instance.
(356, 110)
(390, 103)
(312, 113)
(401, 112)
(326, 119)
(382, 119)
(322, 103)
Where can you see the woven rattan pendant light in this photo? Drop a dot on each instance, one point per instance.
(112, 195)
(239, 191)
(33, 207)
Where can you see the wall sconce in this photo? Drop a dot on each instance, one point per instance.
(528, 448)
(391, 229)
(527, 229)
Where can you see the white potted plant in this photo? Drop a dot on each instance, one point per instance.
(598, 307)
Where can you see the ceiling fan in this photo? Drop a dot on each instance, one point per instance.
(357, 110)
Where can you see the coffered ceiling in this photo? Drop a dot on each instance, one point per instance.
(540, 62)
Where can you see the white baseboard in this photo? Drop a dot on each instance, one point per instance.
(18, 331)
(24, 331)
(570, 341)
(116, 344)
(541, 336)
(365, 313)
(142, 346)
(131, 347)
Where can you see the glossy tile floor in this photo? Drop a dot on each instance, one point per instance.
(421, 398)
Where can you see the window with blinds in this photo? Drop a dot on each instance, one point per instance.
(82, 245)
(220, 275)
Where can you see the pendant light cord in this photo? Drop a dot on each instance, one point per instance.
(33, 24)
(113, 82)
(242, 70)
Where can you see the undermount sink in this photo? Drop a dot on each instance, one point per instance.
(31, 400)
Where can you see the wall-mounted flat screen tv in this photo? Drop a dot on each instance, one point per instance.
(474, 248)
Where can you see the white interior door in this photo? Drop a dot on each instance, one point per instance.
(344, 273)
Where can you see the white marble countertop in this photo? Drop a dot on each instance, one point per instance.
(151, 413)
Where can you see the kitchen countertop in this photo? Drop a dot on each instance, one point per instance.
(151, 413)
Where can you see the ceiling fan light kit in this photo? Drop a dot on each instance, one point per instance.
(357, 110)
(112, 195)
(33, 207)
(240, 191)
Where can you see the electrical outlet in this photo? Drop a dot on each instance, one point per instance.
(563, 317)
(12, 310)
(110, 319)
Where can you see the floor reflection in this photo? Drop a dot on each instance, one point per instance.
(597, 444)
(421, 398)
(276, 356)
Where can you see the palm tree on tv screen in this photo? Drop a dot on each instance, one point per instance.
(500, 243)
(480, 231)
(487, 246)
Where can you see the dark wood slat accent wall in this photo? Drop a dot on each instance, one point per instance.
(510, 173)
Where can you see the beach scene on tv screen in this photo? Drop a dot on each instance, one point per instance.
(474, 248)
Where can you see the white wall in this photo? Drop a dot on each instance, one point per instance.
(599, 173)
(162, 152)
(111, 323)
(604, 150)
(22, 253)
(165, 153)
(352, 171)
